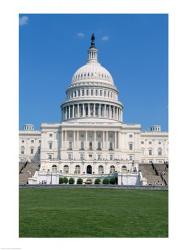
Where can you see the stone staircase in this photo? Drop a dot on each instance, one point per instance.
(162, 170)
(149, 173)
(28, 171)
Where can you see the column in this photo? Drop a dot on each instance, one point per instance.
(100, 109)
(94, 140)
(73, 139)
(117, 139)
(62, 139)
(94, 110)
(103, 140)
(110, 111)
(65, 139)
(68, 112)
(78, 115)
(83, 107)
(105, 110)
(73, 111)
(86, 137)
(88, 109)
(121, 115)
(107, 140)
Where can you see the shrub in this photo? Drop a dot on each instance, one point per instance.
(113, 180)
(106, 181)
(61, 180)
(71, 181)
(79, 181)
(97, 181)
(65, 179)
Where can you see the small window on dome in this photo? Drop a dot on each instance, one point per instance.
(85, 74)
(88, 74)
(87, 92)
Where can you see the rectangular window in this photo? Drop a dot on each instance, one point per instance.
(70, 145)
(69, 156)
(32, 151)
(130, 157)
(50, 157)
(92, 92)
(82, 157)
(130, 146)
(50, 145)
(111, 157)
(150, 152)
(82, 145)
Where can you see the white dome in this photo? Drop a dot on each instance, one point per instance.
(92, 71)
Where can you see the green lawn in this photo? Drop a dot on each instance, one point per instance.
(85, 212)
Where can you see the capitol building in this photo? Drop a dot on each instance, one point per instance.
(92, 141)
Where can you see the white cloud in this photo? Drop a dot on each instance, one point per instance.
(81, 35)
(23, 20)
(105, 38)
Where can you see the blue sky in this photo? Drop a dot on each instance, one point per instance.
(133, 47)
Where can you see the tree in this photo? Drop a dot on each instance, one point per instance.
(97, 181)
(65, 179)
(79, 181)
(113, 180)
(61, 180)
(106, 181)
(71, 181)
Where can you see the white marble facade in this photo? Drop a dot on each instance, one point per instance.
(92, 138)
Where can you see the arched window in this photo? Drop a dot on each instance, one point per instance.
(124, 169)
(66, 169)
(77, 169)
(54, 168)
(112, 169)
(100, 169)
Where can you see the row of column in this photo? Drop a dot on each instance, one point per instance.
(92, 110)
(76, 140)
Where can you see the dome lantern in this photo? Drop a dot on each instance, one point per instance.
(92, 52)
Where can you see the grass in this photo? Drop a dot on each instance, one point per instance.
(85, 212)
